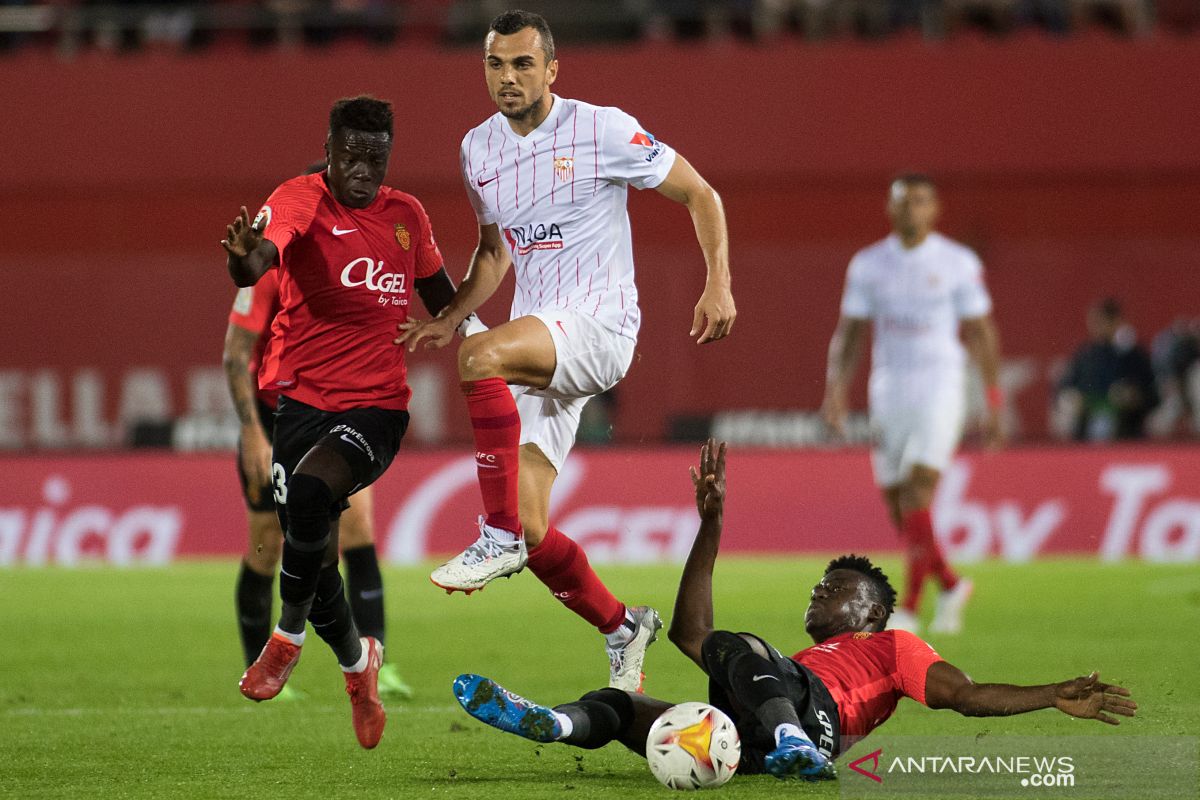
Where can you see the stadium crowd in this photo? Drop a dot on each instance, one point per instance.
(126, 25)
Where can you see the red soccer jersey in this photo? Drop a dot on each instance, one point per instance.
(868, 673)
(253, 310)
(345, 281)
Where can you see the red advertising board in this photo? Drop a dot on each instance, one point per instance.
(630, 505)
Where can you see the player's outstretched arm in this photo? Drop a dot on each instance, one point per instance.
(1087, 698)
(845, 350)
(715, 312)
(488, 265)
(692, 620)
(247, 254)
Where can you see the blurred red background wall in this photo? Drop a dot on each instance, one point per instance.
(1072, 167)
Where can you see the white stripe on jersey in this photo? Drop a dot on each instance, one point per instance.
(558, 196)
(915, 298)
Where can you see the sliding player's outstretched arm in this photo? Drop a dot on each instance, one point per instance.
(692, 620)
(1086, 697)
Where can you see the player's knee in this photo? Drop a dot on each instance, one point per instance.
(719, 650)
(476, 360)
(309, 509)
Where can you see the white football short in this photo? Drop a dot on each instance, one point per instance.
(905, 435)
(591, 359)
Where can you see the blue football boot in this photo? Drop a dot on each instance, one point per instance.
(490, 703)
(794, 757)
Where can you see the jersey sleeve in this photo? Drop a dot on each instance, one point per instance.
(482, 213)
(914, 657)
(255, 306)
(428, 258)
(287, 214)
(856, 296)
(971, 298)
(631, 154)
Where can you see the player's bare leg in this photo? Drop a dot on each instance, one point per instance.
(518, 352)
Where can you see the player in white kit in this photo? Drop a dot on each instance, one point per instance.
(548, 179)
(918, 288)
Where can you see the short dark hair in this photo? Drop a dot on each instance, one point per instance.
(915, 179)
(881, 587)
(362, 113)
(1109, 307)
(511, 22)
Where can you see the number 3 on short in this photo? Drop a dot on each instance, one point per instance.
(279, 481)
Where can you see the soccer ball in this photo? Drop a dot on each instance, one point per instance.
(693, 746)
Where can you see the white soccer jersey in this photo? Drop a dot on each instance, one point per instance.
(915, 298)
(558, 196)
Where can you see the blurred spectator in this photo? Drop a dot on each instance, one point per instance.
(1108, 388)
(1175, 354)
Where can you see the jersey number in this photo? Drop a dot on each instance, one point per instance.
(279, 481)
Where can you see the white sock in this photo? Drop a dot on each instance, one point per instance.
(502, 535)
(788, 729)
(361, 664)
(624, 633)
(567, 726)
(295, 638)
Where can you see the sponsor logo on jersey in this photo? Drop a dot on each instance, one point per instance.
(647, 140)
(863, 635)
(484, 180)
(527, 238)
(262, 219)
(403, 237)
(564, 168)
(370, 273)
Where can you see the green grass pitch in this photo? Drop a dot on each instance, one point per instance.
(123, 684)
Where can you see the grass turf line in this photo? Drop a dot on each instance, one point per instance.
(123, 684)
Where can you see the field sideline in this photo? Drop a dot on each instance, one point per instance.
(122, 684)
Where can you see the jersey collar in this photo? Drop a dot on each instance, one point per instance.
(546, 128)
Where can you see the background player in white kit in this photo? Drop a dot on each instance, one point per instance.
(548, 179)
(918, 287)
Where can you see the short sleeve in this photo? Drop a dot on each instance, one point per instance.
(428, 259)
(631, 154)
(482, 213)
(286, 214)
(914, 657)
(255, 306)
(856, 296)
(971, 298)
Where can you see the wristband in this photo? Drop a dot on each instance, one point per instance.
(995, 397)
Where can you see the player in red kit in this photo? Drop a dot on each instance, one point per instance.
(794, 715)
(246, 338)
(349, 253)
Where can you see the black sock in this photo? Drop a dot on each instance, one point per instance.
(364, 584)
(330, 617)
(253, 602)
(598, 718)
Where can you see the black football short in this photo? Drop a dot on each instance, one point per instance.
(368, 438)
(814, 706)
(266, 494)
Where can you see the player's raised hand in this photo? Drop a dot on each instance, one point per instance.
(714, 314)
(1088, 698)
(436, 333)
(241, 237)
(709, 480)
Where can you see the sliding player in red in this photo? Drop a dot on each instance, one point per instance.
(794, 715)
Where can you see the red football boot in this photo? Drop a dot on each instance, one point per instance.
(363, 687)
(266, 676)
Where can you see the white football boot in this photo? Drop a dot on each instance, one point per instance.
(485, 560)
(903, 620)
(625, 661)
(950, 605)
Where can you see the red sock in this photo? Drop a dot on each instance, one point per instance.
(917, 532)
(563, 566)
(497, 443)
